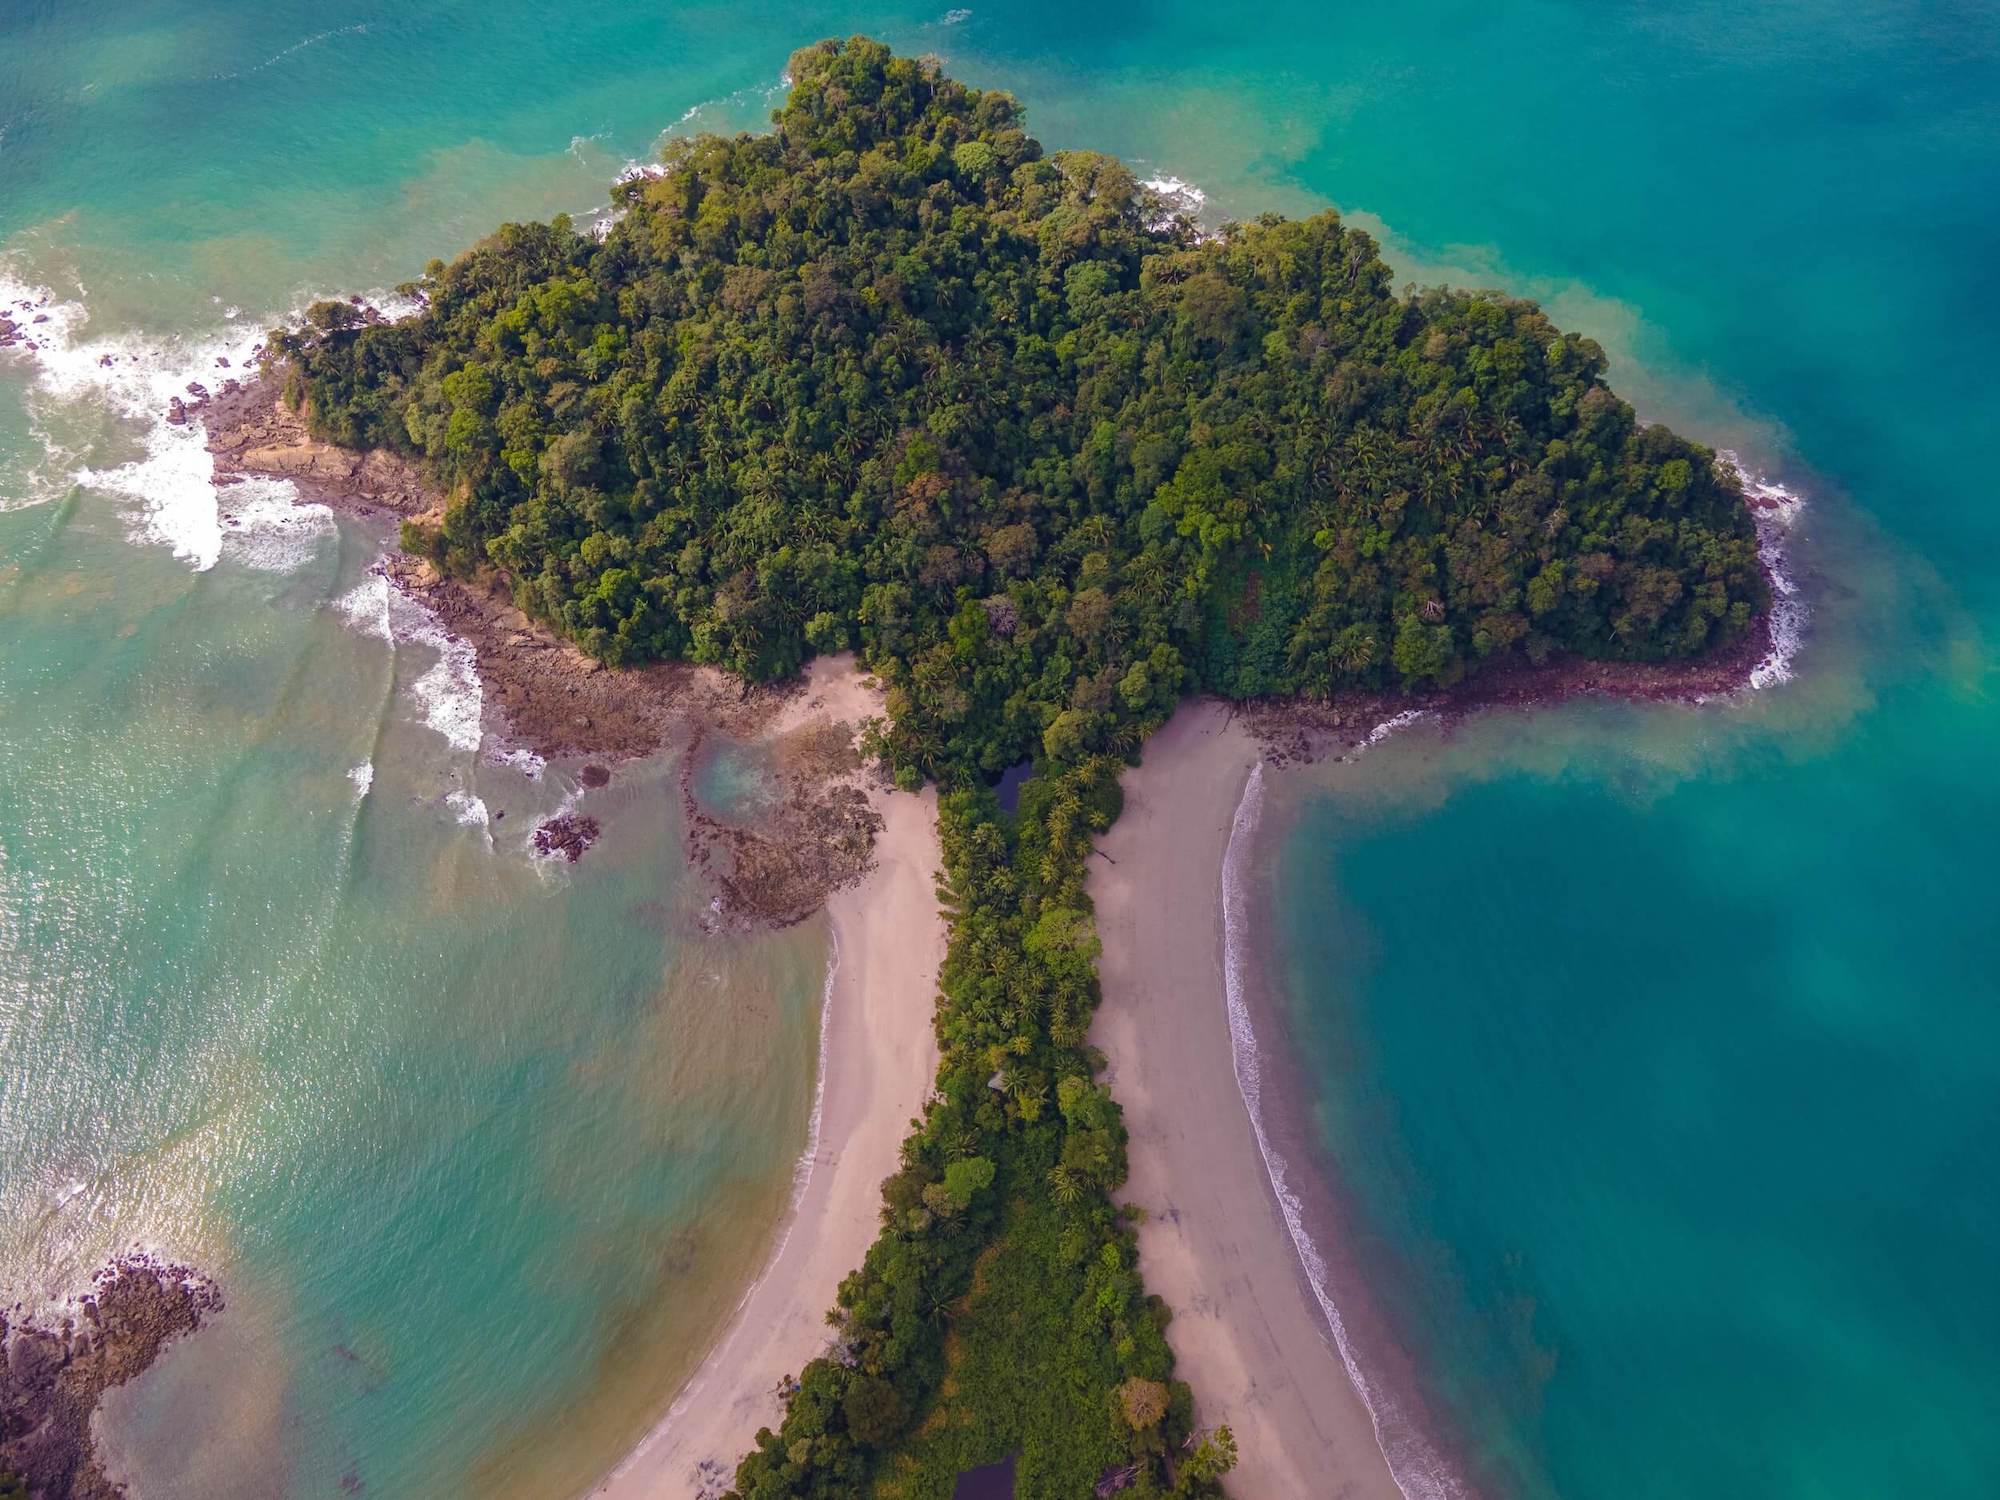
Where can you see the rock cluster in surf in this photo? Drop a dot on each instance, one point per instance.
(53, 1372)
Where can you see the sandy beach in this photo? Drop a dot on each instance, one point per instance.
(878, 1061)
(1247, 1333)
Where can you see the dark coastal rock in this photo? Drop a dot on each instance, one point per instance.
(41, 317)
(177, 411)
(9, 331)
(222, 362)
(197, 390)
(595, 775)
(104, 361)
(53, 1373)
(567, 834)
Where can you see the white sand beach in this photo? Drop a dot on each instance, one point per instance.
(1247, 1333)
(879, 1060)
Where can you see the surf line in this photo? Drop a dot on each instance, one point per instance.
(1418, 1471)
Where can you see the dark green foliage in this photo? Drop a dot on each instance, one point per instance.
(1001, 1309)
(889, 377)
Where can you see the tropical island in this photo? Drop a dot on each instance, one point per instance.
(1049, 458)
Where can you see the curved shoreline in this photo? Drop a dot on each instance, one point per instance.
(1249, 1332)
(878, 1059)
(1419, 1471)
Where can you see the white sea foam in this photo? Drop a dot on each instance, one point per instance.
(520, 758)
(1391, 725)
(266, 526)
(449, 691)
(468, 808)
(1776, 510)
(1419, 1471)
(357, 29)
(363, 777)
(802, 1170)
(367, 606)
(133, 376)
(1180, 199)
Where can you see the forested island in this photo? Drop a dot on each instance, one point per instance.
(1049, 457)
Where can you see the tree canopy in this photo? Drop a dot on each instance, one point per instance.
(891, 377)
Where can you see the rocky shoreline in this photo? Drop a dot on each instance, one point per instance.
(252, 434)
(816, 836)
(1299, 731)
(52, 1374)
(777, 869)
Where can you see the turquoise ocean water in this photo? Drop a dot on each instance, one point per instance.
(1669, 1173)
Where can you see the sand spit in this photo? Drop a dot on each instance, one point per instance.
(1247, 1332)
(878, 1058)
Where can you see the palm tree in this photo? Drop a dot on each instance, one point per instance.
(1065, 1186)
(1354, 653)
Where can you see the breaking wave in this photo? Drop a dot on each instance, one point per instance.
(449, 691)
(1776, 510)
(134, 377)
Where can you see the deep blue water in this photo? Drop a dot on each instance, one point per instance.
(1654, 1051)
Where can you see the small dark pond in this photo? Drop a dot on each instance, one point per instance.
(1009, 792)
(988, 1482)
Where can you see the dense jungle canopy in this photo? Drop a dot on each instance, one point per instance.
(891, 377)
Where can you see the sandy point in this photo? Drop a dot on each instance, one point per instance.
(1247, 1333)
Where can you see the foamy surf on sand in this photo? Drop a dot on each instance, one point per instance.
(1419, 1471)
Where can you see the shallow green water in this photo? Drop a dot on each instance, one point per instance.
(481, 1147)
(1696, 1099)
(464, 1134)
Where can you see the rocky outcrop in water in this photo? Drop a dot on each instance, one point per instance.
(52, 1373)
(567, 835)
